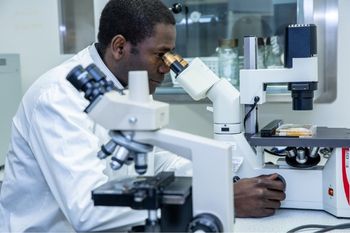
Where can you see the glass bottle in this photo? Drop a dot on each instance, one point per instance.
(228, 60)
(273, 53)
(261, 54)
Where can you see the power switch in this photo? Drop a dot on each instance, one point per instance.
(330, 192)
(225, 129)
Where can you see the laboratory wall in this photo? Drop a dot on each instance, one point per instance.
(30, 28)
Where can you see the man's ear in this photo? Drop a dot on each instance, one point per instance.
(118, 46)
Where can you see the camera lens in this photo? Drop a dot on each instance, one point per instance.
(302, 94)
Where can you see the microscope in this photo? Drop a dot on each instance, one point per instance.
(310, 184)
(136, 124)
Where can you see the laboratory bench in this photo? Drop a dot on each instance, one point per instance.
(287, 219)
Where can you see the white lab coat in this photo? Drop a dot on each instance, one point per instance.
(51, 166)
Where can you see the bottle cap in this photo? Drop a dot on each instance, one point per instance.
(228, 43)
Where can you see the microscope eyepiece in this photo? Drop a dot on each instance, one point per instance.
(78, 77)
(176, 63)
(95, 72)
(91, 80)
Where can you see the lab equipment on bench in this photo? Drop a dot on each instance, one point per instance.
(310, 184)
(136, 123)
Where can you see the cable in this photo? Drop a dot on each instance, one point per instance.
(325, 228)
(335, 227)
(274, 153)
(307, 226)
(256, 100)
(256, 119)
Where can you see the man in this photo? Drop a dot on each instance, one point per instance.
(51, 166)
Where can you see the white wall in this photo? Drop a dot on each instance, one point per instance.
(31, 29)
(28, 28)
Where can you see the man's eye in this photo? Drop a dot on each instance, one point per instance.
(160, 55)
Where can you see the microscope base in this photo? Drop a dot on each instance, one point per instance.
(172, 195)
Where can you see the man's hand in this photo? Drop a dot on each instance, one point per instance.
(258, 196)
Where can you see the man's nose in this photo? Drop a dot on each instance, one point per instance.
(163, 68)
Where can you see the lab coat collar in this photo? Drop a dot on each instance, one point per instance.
(99, 62)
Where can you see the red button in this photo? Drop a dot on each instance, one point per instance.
(330, 192)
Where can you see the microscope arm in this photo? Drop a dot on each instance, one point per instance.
(211, 165)
(253, 80)
(200, 82)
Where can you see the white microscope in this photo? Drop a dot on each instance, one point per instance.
(203, 203)
(309, 185)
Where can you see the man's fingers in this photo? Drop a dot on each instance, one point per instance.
(258, 196)
(264, 213)
(269, 176)
(269, 212)
(271, 204)
(275, 195)
(273, 176)
(271, 182)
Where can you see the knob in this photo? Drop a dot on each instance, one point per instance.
(205, 223)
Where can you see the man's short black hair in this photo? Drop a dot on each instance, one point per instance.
(134, 19)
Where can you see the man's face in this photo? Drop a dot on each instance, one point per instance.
(147, 54)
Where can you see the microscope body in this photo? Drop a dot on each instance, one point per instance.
(322, 186)
(252, 81)
(136, 125)
(315, 180)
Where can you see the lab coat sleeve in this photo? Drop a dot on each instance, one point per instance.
(65, 148)
(167, 161)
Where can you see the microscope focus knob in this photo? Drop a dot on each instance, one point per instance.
(205, 223)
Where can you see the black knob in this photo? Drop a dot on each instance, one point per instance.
(206, 223)
(281, 178)
(176, 8)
